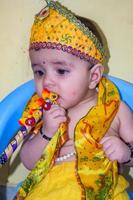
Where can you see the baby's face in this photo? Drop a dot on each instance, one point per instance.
(62, 73)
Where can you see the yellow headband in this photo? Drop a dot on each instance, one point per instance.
(56, 27)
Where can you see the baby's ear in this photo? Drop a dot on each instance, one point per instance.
(95, 75)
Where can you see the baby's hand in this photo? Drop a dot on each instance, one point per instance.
(52, 119)
(115, 149)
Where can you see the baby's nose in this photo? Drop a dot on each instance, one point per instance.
(48, 82)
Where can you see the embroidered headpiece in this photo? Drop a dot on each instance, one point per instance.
(56, 27)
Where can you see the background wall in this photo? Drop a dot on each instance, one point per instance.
(115, 18)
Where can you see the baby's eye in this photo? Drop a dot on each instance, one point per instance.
(38, 73)
(62, 71)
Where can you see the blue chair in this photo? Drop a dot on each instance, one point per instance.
(12, 106)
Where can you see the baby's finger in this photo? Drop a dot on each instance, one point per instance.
(54, 109)
(109, 151)
(60, 119)
(105, 139)
(112, 156)
(57, 107)
(106, 145)
(58, 113)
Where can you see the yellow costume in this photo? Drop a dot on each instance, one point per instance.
(92, 176)
(61, 183)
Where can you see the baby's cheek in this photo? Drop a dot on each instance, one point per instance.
(73, 96)
(73, 93)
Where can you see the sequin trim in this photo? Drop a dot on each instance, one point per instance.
(49, 45)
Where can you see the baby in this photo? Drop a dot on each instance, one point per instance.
(88, 133)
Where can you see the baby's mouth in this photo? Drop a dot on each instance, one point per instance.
(49, 96)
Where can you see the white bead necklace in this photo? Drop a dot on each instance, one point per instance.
(65, 157)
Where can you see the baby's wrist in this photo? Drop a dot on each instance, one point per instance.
(48, 131)
(45, 135)
(130, 146)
